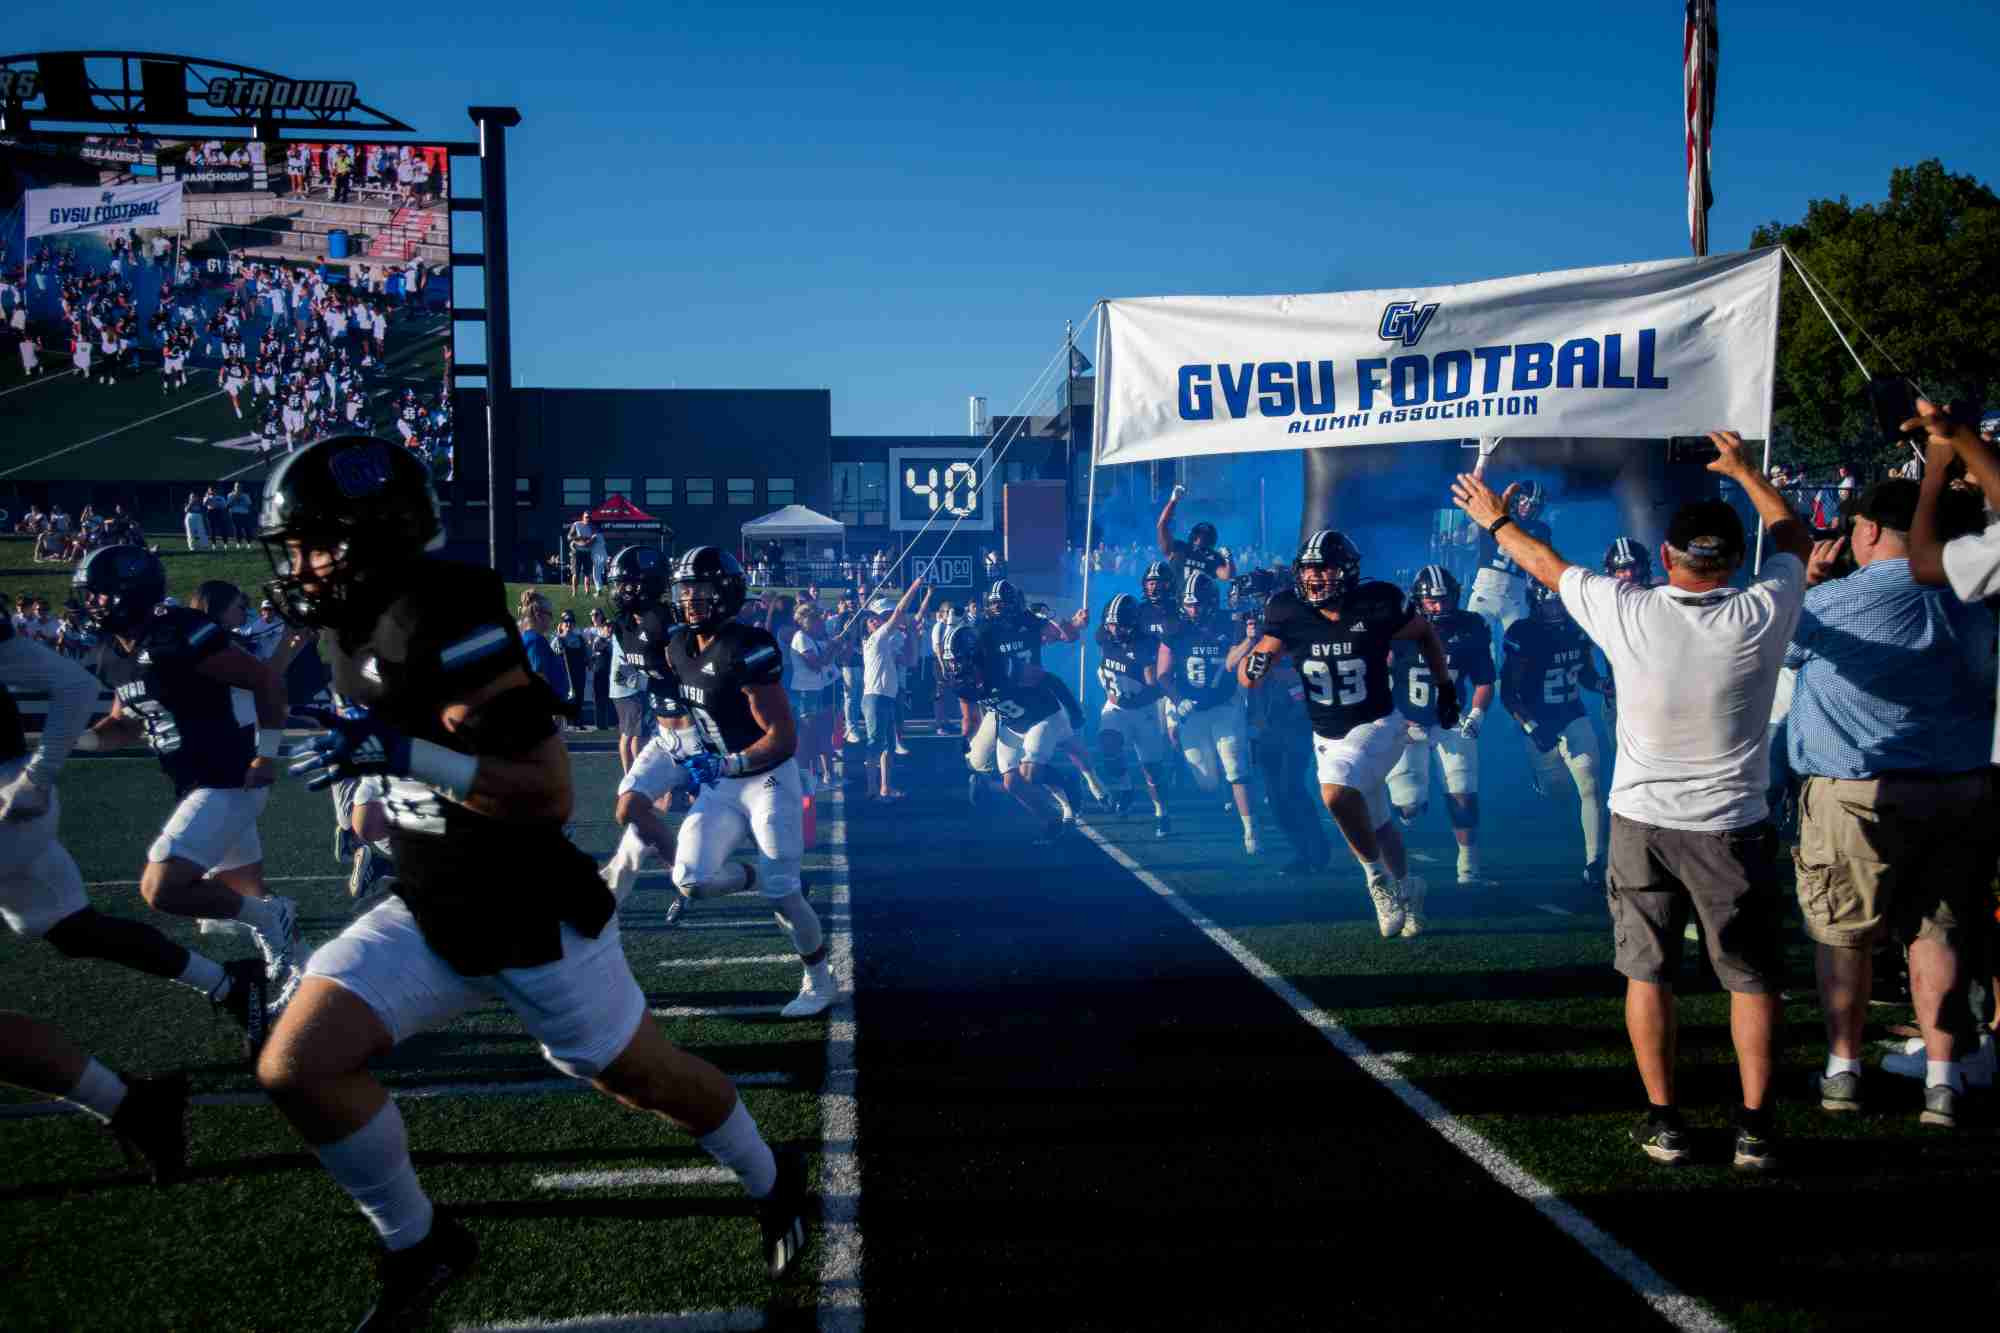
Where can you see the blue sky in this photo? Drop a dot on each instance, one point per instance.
(904, 205)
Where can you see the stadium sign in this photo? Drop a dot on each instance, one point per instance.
(19, 85)
(95, 208)
(281, 94)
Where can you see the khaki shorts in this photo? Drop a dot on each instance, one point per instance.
(1729, 880)
(1906, 857)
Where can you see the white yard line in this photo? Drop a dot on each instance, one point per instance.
(714, 1010)
(1670, 1302)
(1553, 910)
(694, 1321)
(841, 1308)
(534, 1087)
(39, 379)
(746, 961)
(571, 1182)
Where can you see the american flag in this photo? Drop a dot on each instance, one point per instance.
(1699, 46)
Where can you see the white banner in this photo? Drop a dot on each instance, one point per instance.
(65, 212)
(1633, 351)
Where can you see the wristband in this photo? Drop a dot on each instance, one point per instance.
(449, 771)
(1494, 529)
(733, 765)
(268, 741)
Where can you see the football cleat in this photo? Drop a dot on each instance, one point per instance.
(371, 872)
(676, 905)
(1388, 907)
(781, 1215)
(1162, 826)
(151, 1125)
(411, 1280)
(1413, 890)
(248, 1002)
(816, 994)
(1661, 1140)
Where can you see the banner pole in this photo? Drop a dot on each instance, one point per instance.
(1090, 501)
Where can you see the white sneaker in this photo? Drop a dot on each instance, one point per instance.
(280, 946)
(1097, 792)
(1252, 847)
(211, 925)
(1388, 907)
(816, 994)
(1413, 890)
(1977, 1068)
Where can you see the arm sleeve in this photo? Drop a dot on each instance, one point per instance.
(27, 666)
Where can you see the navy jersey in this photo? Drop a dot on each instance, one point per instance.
(13, 736)
(642, 639)
(1122, 671)
(1009, 646)
(1160, 620)
(1205, 561)
(1468, 652)
(1492, 557)
(1344, 663)
(189, 720)
(1541, 681)
(1201, 662)
(712, 682)
(487, 893)
(1018, 706)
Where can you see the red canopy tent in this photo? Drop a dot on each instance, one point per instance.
(618, 514)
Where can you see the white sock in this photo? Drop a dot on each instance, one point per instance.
(260, 914)
(1468, 861)
(1159, 808)
(1945, 1073)
(1249, 825)
(98, 1091)
(1837, 1065)
(373, 1165)
(738, 1145)
(205, 975)
(798, 920)
(1377, 871)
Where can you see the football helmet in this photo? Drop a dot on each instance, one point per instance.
(961, 657)
(365, 502)
(1201, 537)
(1339, 564)
(1627, 560)
(1545, 603)
(118, 587)
(1529, 500)
(1004, 599)
(1121, 618)
(1157, 583)
(638, 578)
(709, 587)
(1199, 596)
(1435, 583)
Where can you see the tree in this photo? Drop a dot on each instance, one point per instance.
(1921, 273)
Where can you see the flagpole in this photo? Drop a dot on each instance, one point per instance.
(1090, 502)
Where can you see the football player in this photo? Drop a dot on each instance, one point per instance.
(1200, 551)
(1468, 651)
(491, 901)
(1023, 716)
(1547, 665)
(41, 890)
(740, 740)
(1159, 617)
(1011, 639)
(1132, 665)
(1500, 588)
(1340, 632)
(644, 624)
(1626, 560)
(171, 669)
(1209, 721)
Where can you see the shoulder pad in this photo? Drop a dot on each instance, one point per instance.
(758, 660)
(1517, 634)
(180, 635)
(1375, 599)
(1284, 605)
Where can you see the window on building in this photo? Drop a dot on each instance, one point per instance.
(778, 490)
(700, 490)
(659, 491)
(874, 495)
(524, 492)
(576, 492)
(743, 490)
(617, 486)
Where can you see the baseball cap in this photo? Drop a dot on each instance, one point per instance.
(881, 606)
(1707, 530)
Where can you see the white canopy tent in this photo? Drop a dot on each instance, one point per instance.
(795, 523)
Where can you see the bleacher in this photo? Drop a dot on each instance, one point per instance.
(260, 225)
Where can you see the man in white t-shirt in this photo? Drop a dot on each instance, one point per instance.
(881, 679)
(1697, 666)
(1970, 564)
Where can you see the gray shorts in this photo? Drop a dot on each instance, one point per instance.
(635, 719)
(879, 711)
(811, 703)
(1730, 882)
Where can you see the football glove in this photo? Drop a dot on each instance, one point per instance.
(356, 745)
(703, 769)
(1468, 726)
(1183, 708)
(1447, 704)
(1257, 664)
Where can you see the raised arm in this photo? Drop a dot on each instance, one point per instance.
(1164, 529)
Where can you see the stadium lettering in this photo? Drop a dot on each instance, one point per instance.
(19, 85)
(281, 94)
(1469, 382)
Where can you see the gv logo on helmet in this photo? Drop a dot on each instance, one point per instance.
(361, 471)
(1405, 322)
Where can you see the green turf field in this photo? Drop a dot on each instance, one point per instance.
(1073, 1109)
(60, 428)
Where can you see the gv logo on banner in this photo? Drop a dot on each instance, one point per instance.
(1404, 322)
